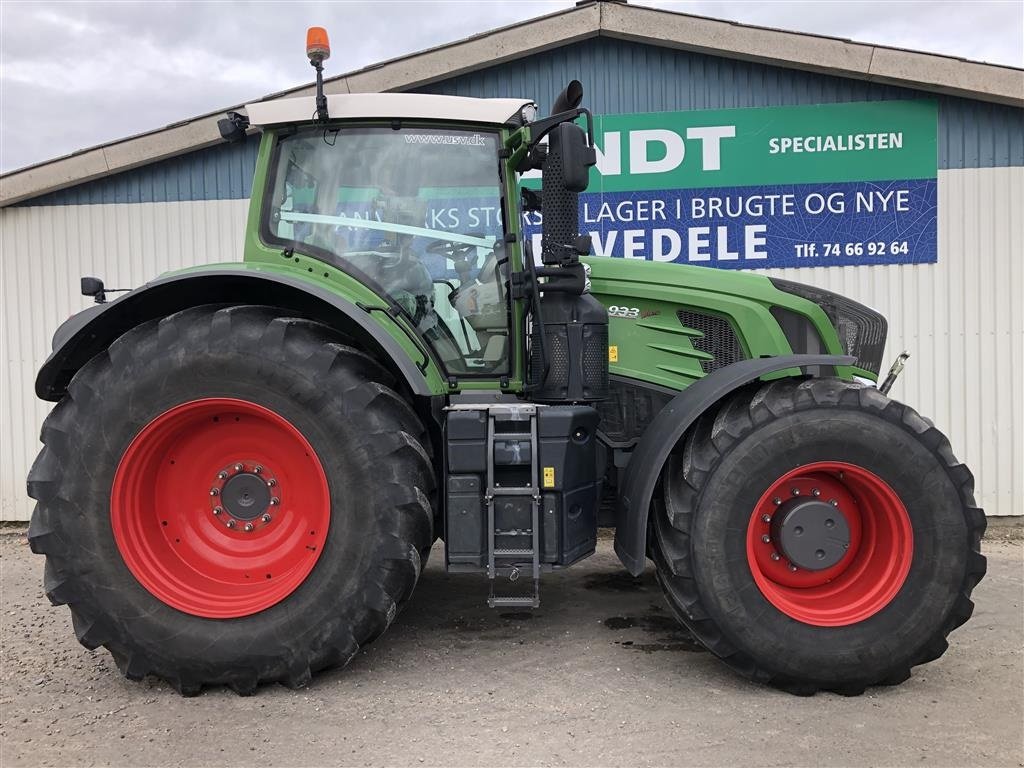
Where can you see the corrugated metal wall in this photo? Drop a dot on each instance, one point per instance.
(961, 318)
(43, 252)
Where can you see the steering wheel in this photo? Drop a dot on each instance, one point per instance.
(463, 255)
(453, 250)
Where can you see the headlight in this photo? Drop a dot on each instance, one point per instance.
(861, 330)
(529, 113)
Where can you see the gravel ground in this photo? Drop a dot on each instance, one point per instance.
(600, 675)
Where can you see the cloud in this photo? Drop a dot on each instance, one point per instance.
(73, 75)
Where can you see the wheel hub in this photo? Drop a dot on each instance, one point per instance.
(246, 496)
(243, 496)
(810, 533)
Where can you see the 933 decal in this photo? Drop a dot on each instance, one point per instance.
(628, 313)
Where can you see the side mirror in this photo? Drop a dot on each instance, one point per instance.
(570, 142)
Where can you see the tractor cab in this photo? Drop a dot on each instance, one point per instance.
(409, 207)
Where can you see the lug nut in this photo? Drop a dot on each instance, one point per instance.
(257, 469)
(239, 467)
(230, 523)
(776, 501)
(766, 538)
(249, 527)
(792, 568)
(271, 483)
(265, 518)
(815, 492)
(795, 491)
(217, 510)
(222, 475)
(833, 502)
(766, 518)
(275, 501)
(214, 491)
(775, 556)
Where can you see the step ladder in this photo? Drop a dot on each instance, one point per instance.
(509, 561)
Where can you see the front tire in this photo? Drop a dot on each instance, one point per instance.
(227, 496)
(880, 588)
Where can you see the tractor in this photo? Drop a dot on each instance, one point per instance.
(248, 463)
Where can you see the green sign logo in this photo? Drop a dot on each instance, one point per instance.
(869, 141)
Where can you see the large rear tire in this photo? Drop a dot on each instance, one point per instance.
(886, 581)
(228, 496)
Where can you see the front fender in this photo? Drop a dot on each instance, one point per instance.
(91, 331)
(661, 437)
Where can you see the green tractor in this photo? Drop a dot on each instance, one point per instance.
(248, 463)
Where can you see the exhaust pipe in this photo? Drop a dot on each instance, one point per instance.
(569, 98)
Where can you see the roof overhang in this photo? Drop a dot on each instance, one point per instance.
(389, 106)
(844, 58)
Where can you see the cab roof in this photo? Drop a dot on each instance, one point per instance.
(411, 106)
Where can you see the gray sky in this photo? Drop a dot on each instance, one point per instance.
(76, 74)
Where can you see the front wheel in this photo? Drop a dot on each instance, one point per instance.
(228, 496)
(818, 536)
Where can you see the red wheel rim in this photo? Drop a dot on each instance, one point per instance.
(220, 508)
(874, 567)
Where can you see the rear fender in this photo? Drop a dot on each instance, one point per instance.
(661, 437)
(91, 331)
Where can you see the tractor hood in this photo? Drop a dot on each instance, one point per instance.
(770, 316)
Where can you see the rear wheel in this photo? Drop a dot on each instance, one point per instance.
(817, 535)
(231, 497)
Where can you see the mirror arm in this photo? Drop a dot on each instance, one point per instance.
(544, 126)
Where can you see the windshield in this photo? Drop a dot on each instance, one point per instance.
(415, 213)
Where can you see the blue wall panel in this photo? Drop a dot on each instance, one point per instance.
(618, 76)
(221, 172)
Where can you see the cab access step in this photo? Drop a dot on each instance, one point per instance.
(522, 485)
